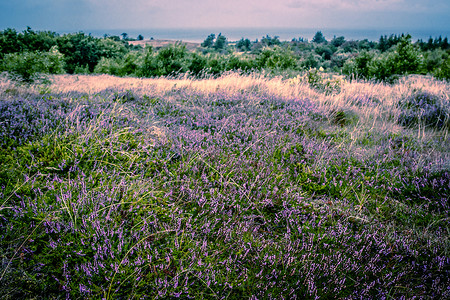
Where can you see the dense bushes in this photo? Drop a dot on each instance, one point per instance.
(26, 65)
(405, 58)
(386, 60)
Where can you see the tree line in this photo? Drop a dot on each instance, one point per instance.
(28, 53)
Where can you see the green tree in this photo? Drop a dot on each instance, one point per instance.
(338, 41)
(269, 41)
(209, 41)
(10, 42)
(79, 50)
(244, 45)
(319, 38)
(407, 59)
(220, 43)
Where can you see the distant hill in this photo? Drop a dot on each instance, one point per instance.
(156, 44)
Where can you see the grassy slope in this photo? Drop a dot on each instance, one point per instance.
(233, 187)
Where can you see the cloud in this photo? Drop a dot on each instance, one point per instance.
(355, 5)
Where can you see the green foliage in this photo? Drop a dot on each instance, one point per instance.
(197, 64)
(408, 58)
(220, 43)
(433, 60)
(325, 85)
(338, 41)
(269, 41)
(319, 38)
(358, 66)
(443, 72)
(239, 63)
(80, 50)
(276, 58)
(28, 41)
(209, 41)
(27, 65)
(385, 60)
(311, 61)
(244, 45)
(169, 60)
(325, 51)
(216, 64)
(403, 59)
(172, 60)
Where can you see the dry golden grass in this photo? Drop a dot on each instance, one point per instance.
(379, 117)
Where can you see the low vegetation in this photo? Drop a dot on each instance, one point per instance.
(230, 187)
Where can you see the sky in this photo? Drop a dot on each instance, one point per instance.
(78, 15)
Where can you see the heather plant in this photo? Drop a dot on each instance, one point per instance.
(232, 187)
(424, 109)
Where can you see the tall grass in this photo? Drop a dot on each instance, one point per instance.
(231, 187)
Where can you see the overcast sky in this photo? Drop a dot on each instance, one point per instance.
(76, 15)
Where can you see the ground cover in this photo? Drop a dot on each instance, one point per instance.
(231, 187)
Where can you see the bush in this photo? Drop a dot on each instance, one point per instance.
(444, 71)
(171, 60)
(276, 58)
(359, 66)
(107, 66)
(27, 65)
(321, 84)
(197, 64)
(383, 67)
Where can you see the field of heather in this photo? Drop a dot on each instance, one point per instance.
(237, 187)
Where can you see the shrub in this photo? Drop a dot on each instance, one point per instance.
(169, 60)
(220, 43)
(318, 82)
(236, 63)
(197, 63)
(383, 67)
(444, 71)
(359, 65)
(216, 64)
(25, 66)
(311, 61)
(276, 58)
(172, 60)
(107, 66)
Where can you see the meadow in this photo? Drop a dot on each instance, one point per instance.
(228, 187)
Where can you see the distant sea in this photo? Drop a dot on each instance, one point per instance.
(284, 34)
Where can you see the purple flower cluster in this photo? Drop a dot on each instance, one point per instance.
(425, 109)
